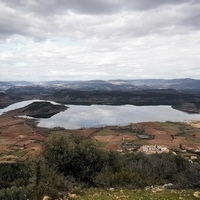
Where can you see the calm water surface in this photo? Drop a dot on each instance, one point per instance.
(78, 116)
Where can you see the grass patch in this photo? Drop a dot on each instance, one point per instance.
(54, 133)
(192, 140)
(128, 194)
(140, 142)
(19, 153)
(163, 124)
(102, 144)
(104, 132)
(128, 141)
(126, 132)
(7, 153)
(169, 125)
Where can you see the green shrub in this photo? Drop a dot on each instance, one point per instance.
(13, 174)
(13, 193)
(47, 180)
(75, 156)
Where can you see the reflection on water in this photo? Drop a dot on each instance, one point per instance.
(77, 116)
(103, 115)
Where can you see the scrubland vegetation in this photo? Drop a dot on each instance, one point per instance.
(74, 163)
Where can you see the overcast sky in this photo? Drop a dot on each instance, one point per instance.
(99, 39)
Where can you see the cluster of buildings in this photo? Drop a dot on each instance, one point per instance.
(152, 149)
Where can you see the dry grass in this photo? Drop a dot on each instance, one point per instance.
(128, 194)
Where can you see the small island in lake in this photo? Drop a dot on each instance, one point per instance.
(39, 109)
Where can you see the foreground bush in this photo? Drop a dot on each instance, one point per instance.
(14, 174)
(80, 158)
(13, 193)
(77, 157)
(74, 161)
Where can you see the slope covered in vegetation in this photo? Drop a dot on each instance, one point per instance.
(75, 162)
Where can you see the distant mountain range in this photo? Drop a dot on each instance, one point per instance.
(115, 92)
(124, 85)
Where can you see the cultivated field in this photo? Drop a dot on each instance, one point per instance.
(17, 139)
(21, 138)
(178, 137)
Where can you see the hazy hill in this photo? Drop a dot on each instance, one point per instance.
(6, 100)
(140, 84)
(136, 92)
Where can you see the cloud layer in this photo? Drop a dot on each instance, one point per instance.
(105, 39)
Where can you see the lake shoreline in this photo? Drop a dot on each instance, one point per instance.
(95, 115)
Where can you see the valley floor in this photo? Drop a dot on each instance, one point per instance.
(20, 138)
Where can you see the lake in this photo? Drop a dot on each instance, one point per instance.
(78, 116)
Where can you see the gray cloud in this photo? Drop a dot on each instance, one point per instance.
(90, 6)
(47, 18)
(22, 17)
(191, 16)
(87, 39)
